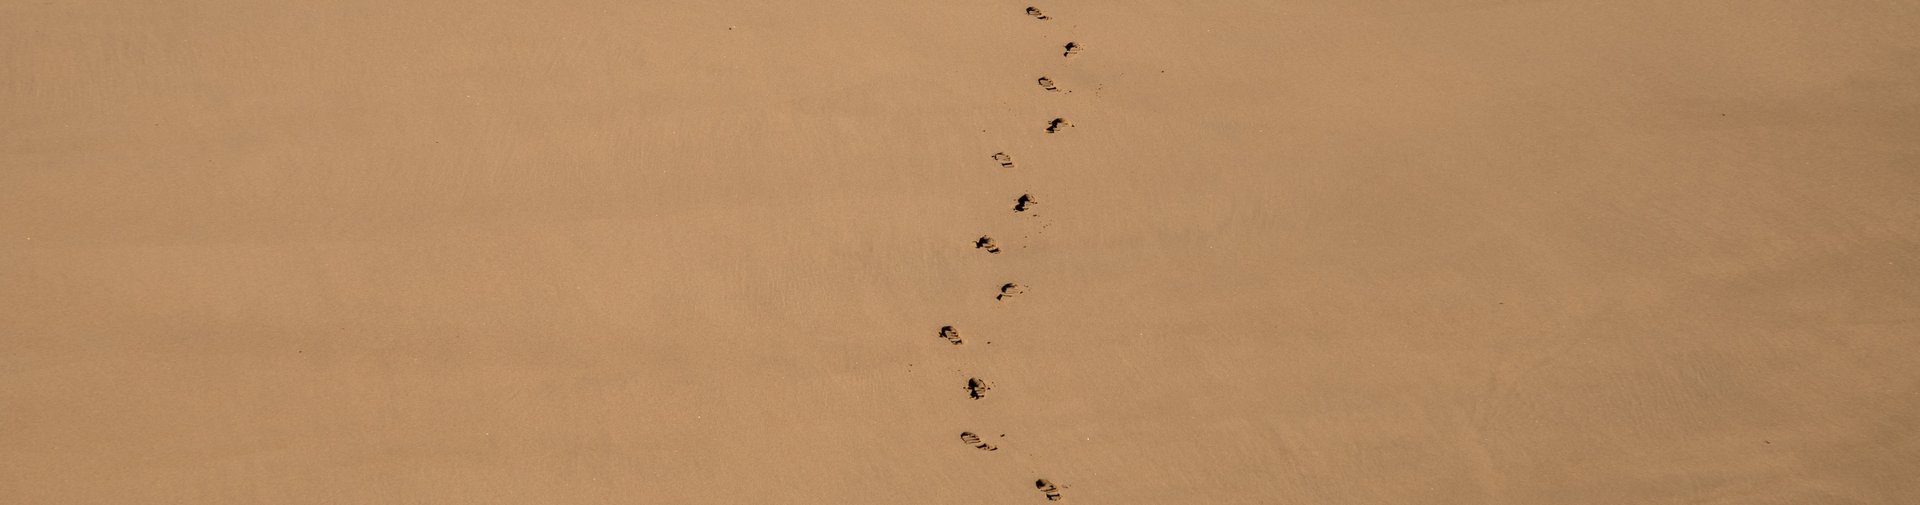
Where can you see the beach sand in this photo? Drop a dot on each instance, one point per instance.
(587, 252)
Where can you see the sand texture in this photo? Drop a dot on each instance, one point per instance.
(858, 252)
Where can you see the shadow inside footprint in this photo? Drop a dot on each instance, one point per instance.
(986, 242)
(977, 389)
(1073, 48)
(1010, 290)
(1058, 124)
(1005, 160)
(1035, 12)
(1047, 487)
(1048, 84)
(974, 440)
(1025, 202)
(952, 335)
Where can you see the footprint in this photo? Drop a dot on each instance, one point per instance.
(974, 440)
(1073, 48)
(1058, 124)
(986, 242)
(1046, 486)
(1035, 12)
(977, 388)
(952, 335)
(1010, 290)
(1048, 83)
(1025, 202)
(1005, 160)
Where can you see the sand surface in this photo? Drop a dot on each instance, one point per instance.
(598, 252)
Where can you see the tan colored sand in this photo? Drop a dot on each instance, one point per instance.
(1372, 252)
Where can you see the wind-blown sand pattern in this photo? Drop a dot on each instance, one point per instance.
(595, 252)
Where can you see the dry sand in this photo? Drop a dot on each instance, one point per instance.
(585, 252)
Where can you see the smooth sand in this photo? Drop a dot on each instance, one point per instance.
(1362, 252)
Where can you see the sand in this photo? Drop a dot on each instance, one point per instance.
(585, 252)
